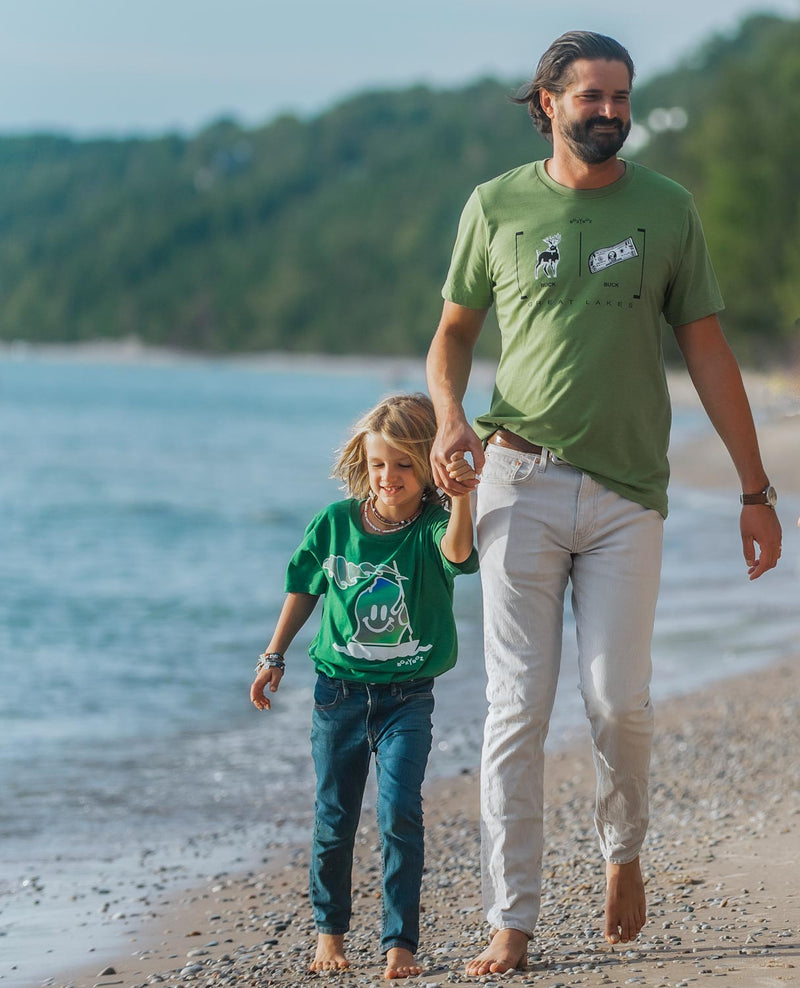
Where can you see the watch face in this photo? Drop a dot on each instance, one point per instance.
(771, 495)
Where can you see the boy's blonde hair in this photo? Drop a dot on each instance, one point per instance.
(406, 422)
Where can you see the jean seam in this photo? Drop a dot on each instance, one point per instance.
(384, 915)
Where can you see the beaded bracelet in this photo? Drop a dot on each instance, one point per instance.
(270, 660)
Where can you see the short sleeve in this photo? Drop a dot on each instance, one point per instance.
(305, 573)
(470, 564)
(469, 281)
(693, 292)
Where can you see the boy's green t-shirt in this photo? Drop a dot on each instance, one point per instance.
(388, 599)
(583, 282)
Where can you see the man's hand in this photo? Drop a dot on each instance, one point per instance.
(456, 437)
(760, 527)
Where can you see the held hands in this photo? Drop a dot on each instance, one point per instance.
(266, 679)
(456, 438)
(457, 543)
(461, 472)
(760, 527)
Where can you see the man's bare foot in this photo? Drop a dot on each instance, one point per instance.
(330, 953)
(626, 908)
(400, 964)
(508, 950)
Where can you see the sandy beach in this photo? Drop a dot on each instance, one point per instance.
(721, 861)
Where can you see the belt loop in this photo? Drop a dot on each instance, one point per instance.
(345, 687)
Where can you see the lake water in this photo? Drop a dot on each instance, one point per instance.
(148, 510)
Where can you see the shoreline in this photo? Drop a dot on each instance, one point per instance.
(771, 389)
(175, 917)
(720, 866)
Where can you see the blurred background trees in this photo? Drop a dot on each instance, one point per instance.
(333, 234)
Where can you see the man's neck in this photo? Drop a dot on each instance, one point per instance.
(573, 173)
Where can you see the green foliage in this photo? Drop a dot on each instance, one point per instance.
(334, 234)
(328, 235)
(740, 157)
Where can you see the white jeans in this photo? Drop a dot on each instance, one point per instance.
(542, 523)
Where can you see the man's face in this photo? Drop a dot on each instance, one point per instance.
(593, 115)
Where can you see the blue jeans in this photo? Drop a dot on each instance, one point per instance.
(352, 721)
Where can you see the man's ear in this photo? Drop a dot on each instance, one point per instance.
(546, 100)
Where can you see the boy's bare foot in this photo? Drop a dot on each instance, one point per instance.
(626, 908)
(508, 950)
(330, 953)
(400, 964)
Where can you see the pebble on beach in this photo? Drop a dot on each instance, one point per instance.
(719, 865)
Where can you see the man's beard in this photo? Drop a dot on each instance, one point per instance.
(593, 146)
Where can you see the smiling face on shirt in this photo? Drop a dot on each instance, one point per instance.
(392, 478)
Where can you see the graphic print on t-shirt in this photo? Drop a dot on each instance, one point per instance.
(382, 626)
(547, 260)
(580, 259)
(605, 257)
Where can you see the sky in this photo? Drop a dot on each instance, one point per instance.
(143, 67)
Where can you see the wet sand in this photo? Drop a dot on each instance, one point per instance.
(721, 862)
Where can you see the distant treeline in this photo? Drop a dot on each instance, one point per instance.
(334, 234)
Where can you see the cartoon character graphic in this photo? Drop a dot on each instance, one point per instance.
(382, 625)
(381, 613)
(547, 260)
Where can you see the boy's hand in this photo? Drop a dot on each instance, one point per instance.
(268, 678)
(460, 470)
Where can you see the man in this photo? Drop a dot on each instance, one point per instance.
(582, 254)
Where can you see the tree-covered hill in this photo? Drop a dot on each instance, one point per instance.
(740, 156)
(334, 234)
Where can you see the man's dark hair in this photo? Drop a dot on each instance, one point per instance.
(552, 72)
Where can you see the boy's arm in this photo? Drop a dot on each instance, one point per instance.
(295, 612)
(457, 542)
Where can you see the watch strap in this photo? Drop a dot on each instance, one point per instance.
(766, 496)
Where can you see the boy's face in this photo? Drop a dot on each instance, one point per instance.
(392, 478)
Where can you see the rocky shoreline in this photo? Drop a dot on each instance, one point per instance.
(720, 864)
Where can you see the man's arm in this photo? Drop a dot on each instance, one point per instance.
(718, 381)
(448, 368)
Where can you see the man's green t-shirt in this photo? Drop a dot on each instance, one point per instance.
(583, 282)
(388, 599)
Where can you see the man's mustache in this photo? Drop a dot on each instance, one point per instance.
(605, 122)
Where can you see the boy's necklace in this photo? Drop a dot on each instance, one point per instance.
(390, 526)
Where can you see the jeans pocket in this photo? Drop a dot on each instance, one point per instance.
(327, 693)
(507, 466)
(417, 690)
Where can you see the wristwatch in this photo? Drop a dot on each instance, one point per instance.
(768, 496)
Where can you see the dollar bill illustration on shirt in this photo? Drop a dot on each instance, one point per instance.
(606, 257)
